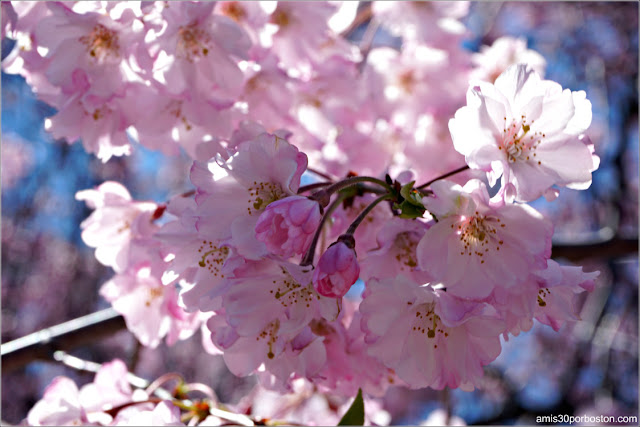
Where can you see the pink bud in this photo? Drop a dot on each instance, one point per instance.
(287, 226)
(337, 270)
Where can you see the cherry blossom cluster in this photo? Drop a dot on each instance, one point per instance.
(269, 268)
(108, 400)
(111, 400)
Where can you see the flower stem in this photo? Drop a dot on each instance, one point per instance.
(446, 175)
(347, 182)
(356, 222)
(312, 186)
(308, 257)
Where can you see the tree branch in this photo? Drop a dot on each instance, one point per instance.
(68, 335)
(615, 247)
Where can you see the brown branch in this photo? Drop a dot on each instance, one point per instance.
(68, 335)
(613, 248)
(94, 327)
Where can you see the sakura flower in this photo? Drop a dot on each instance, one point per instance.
(506, 51)
(303, 37)
(303, 357)
(202, 50)
(109, 388)
(396, 253)
(251, 16)
(421, 21)
(516, 306)
(150, 309)
(349, 367)
(429, 338)
(101, 123)
(275, 290)
(164, 413)
(337, 269)
(60, 406)
(263, 170)
(558, 288)
(93, 43)
(168, 121)
(63, 404)
(287, 226)
(526, 129)
(480, 243)
(116, 220)
(308, 406)
(418, 80)
(199, 263)
(265, 309)
(269, 93)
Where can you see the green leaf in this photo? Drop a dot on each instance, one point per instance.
(355, 415)
(405, 191)
(410, 210)
(411, 195)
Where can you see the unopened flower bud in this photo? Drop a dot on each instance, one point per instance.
(337, 270)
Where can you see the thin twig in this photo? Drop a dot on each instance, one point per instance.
(446, 175)
(321, 174)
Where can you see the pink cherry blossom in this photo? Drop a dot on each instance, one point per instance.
(261, 171)
(251, 16)
(349, 367)
(115, 222)
(64, 404)
(150, 308)
(396, 253)
(430, 22)
(199, 263)
(558, 287)
(525, 129)
(505, 51)
(287, 226)
(265, 311)
(337, 270)
(308, 406)
(303, 357)
(92, 42)
(100, 123)
(60, 405)
(429, 338)
(269, 92)
(203, 50)
(164, 413)
(168, 121)
(303, 37)
(109, 388)
(480, 243)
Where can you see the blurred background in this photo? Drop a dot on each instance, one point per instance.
(591, 368)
